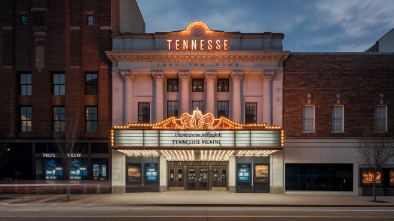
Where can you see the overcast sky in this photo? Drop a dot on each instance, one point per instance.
(308, 25)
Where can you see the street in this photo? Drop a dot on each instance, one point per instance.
(87, 212)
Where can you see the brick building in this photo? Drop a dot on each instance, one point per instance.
(53, 69)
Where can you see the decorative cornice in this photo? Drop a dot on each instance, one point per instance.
(278, 74)
(197, 56)
(157, 75)
(184, 75)
(210, 75)
(237, 75)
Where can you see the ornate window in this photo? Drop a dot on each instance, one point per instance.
(223, 109)
(223, 85)
(143, 112)
(172, 85)
(198, 85)
(172, 108)
(250, 112)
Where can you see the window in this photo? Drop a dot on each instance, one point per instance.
(223, 109)
(143, 112)
(91, 119)
(367, 177)
(59, 84)
(380, 122)
(59, 118)
(199, 104)
(172, 108)
(91, 84)
(250, 113)
(198, 85)
(172, 85)
(90, 20)
(25, 82)
(308, 118)
(26, 123)
(337, 118)
(223, 85)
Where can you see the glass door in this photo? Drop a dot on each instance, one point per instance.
(219, 178)
(191, 179)
(203, 179)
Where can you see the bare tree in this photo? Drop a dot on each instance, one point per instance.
(374, 151)
(4, 150)
(66, 137)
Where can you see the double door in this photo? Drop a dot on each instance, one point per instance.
(197, 175)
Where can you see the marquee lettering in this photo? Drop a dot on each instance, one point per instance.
(195, 45)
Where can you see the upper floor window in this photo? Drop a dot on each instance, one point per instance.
(25, 118)
(172, 85)
(222, 109)
(380, 121)
(143, 112)
(59, 118)
(198, 85)
(59, 84)
(91, 84)
(172, 108)
(337, 118)
(308, 118)
(250, 112)
(199, 105)
(91, 119)
(25, 83)
(223, 85)
(90, 20)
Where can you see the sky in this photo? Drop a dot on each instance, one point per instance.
(308, 25)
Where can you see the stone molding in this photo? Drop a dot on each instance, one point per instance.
(267, 75)
(197, 56)
(184, 75)
(210, 75)
(127, 75)
(278, 74)
(237, 75)
(157, 75)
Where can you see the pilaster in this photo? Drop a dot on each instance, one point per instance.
(267, 77)
(158, 78)
(236, 78)
(128, 77)
(210, 78)
(184, 77)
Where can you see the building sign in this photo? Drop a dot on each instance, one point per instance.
(57, 155)
(151, 173)
(197, 45)
(243, 173)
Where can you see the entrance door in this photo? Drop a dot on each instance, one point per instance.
(175, 181)
(219, 178)
(203, 179)
(191, 179)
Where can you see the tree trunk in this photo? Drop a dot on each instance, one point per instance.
(374, 190)
(68, 190)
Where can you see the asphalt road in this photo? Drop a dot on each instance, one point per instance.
(89, 212)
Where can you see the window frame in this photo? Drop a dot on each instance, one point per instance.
(334, 119)
(90, 20)
(141, 112)
(59, 88)
(59, 118)
(91, 85)
(91, 119)
(248, 105)
(172, 109)
(171, 83)
(304, 119)
(197, 85)
(378, 119)
(26, 123)
(26, 86)
(225, 83)
(226, 111)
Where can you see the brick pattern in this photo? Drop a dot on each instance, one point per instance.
(359, 78)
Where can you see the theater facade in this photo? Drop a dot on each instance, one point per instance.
(199, 109)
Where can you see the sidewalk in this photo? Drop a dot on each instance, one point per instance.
(201, 198)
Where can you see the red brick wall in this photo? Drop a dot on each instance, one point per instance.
(359, 78)
(70, 46)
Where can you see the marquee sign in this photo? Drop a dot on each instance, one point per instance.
(197, 131)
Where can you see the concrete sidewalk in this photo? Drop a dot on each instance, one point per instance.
(202, 198)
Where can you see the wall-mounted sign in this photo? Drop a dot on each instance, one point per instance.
(197, 45)
(151, 173)
(243, 173)
(57, 155)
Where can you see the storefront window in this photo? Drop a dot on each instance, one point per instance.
(243, 172)
(391, 177)
(99, 169)
(151, 173)
(54, 169)
(78, 169)
(319, 177)
(261, 173)
(134, 173)
(367, 177)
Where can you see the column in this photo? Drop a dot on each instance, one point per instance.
(210, 78)
(184, 78)
(266, 77)
(117, 98)
(158, 78)
(163, 173)
(236, 78)
(128, 96)
(232, 174)
(277, 98)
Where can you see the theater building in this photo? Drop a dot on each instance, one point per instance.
(200, 109)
